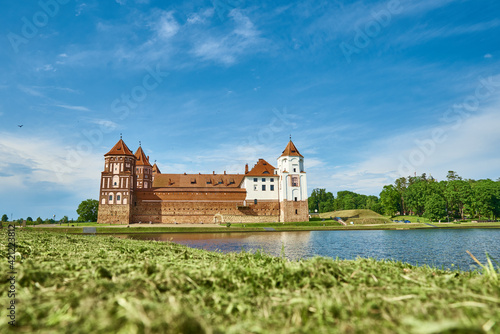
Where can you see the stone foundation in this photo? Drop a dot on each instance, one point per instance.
(294, 211)
(113, 214)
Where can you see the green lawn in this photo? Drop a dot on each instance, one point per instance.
(83, 284)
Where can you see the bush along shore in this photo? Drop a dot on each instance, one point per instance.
(101, 284)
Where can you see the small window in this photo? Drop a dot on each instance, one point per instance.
(263, 179)
(296, 212)
(295, 199)
(255, 179)
(263, 187)
(255, 201)
(255, 187)
(110, 197)
(272, 180)
(271, 187)
(117, 197)
(295, 181)
(295, 170)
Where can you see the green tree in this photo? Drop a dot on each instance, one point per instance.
(458, 194)
(390, 200)
(87, 210)
(39, 220)
(29, 219)
(401, 185)
(415, 196)
(321, 200)
(453, 176)
(5, 218)
(435, 207)
(486, 198)
(64, 220)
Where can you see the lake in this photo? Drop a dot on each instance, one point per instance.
(438, 248)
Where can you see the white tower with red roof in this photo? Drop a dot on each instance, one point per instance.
(292, 185)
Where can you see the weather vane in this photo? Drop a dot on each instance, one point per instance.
(120, 136)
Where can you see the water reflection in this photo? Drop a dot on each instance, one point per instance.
(439, 248)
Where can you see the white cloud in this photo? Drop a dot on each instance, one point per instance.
(166, 26)
(105, 124)
(488, 55)
(227, 47)
(77, 108)
(46, 68)
(47, 161)
(30, 91)
(469, 147)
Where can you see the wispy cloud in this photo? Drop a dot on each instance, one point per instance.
(227, 47)
(423, 33)
(459, 151)
(105, 123)
(77, 108)
(41, 159)
(30, 91)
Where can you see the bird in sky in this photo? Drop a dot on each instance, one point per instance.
(20, 125)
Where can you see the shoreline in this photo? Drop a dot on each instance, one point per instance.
(213, 228)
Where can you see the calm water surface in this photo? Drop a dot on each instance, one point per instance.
(438, 248)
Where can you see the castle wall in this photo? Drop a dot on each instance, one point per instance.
(113, 214)
(195, 212)
(294, 211)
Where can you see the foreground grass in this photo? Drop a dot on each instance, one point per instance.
(83, 284)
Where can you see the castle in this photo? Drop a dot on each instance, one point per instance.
(133, 191)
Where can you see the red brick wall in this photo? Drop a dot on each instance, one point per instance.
(294, 211)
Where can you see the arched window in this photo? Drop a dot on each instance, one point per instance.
(116, 181)
(110, 201)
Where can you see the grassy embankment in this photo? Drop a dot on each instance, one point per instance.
(358, 216)
(362, 219)
(81, 284)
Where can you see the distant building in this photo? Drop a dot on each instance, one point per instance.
(132, 191)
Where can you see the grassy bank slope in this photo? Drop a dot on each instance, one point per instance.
(358, 216)
(83, 284)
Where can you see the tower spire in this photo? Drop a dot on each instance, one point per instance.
(120, 135)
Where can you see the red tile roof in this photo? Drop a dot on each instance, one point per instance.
(198, 181)
(142, 159)
(291, 151)
(156, 169)
(120, 148)
(261, 168)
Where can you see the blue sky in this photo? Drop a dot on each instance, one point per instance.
(369, 91)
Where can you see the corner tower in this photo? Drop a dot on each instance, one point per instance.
(292, 185)
(143, 170)
(117, 185)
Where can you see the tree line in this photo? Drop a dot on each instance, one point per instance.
(454, 198)
(87, 212)
(322, 201)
